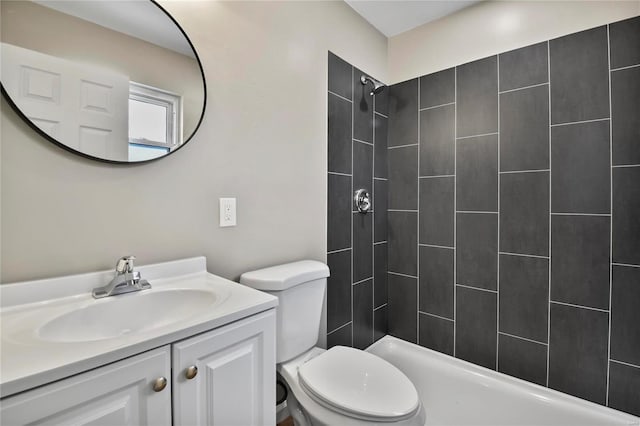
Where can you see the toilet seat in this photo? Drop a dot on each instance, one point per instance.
(359, 384)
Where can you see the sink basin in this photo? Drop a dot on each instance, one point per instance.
(118, 316)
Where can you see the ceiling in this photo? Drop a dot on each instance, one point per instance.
(394, 17)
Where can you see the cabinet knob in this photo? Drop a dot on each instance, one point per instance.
(191, 372)
(159, 384)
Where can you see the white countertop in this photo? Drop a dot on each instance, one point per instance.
(27, 361)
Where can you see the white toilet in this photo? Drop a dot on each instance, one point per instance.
(339, 386)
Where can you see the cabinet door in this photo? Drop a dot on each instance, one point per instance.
(116, 394)
(235, 382)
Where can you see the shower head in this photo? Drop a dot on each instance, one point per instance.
(377, 86)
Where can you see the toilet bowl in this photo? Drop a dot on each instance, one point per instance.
(338, 386)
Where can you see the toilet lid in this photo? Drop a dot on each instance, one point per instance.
(359, 384)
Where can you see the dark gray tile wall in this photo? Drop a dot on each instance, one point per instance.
(356, 243)
(524, 252)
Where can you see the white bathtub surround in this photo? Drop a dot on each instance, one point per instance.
(456, 392)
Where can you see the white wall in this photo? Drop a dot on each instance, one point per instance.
(492, 27)
(263, 140)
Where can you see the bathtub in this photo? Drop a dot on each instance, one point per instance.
(456, 392)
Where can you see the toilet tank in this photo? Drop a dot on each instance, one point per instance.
(300, 288)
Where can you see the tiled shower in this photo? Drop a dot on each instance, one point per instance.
(512, 198)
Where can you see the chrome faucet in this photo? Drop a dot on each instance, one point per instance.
(126, 280)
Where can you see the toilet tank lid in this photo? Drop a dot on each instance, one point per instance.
(282, 277)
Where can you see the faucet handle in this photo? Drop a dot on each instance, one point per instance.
(125, 264)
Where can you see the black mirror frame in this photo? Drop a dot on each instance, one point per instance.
(104, 160)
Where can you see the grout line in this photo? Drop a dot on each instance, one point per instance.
(380, 307)
(353, 95)
(523, 338)
(476, 136)
(401, 210)
(580, 122)
(380, 114)
(402, 146)
(339, 174)
(581, 214)
(550, 177)
(624, 363)
(435, 246)
(361, 281)
(379, 242)
(525, 171)
(579, 306)
(475, 212)
(622, 68)
(625, 165)
(524, 255)
(434, 315)
(625, 264)
(611, 211)
(401, 275)
(498, 190)
(435, 106)
(455, 194)
(342, 326)
(418, 224)
(342, 97)
(377, 178)
(373, 226)
(435, 176)
(339, 250)
(521, 88)
(361, 141)
(477, 288)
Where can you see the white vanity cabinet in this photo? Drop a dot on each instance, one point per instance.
(116, 394)
(234, 384)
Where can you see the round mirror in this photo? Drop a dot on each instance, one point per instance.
(117, 81)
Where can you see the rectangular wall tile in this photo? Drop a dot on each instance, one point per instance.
(524, 129)
(625, 315)
(626, 215)
(624, 382)
(339, 212)
(436, 281)
(524, 67)
(625, 104)
(580, 168)
(403, 113)
(339, 76)
(625, 42)
(477, 174)
(477, 97)
(339, 135)
(578, 352)
(380, 275)
(437, 88)
(362, 168)
(524, 213)
(403, 178)
(437, 211)
(362, 246)
(363, 314)
(403, 243)
(524, 296)
(437, 141)
(341, 337)
(382, 102)
(477, 250)
(380, 323)
(580, 260)
(522, 359)
(380, 195)
(403, 307)
(380, 167)
(362, 109)
(476, 326)
(339, 289)
(579, 76)
(436, 333)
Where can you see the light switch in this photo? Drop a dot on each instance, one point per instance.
(227, 212)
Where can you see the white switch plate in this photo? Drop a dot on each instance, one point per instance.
(227, 212)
